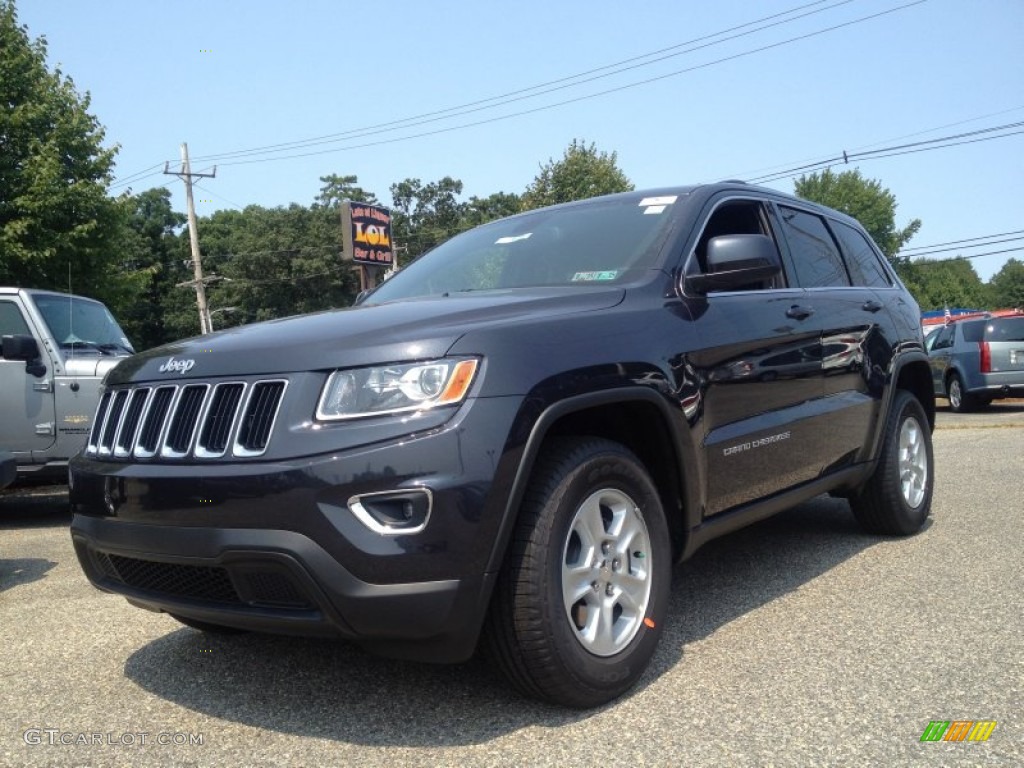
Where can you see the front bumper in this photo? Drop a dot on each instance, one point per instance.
(273, 546)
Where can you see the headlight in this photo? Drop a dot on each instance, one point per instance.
(383, 389)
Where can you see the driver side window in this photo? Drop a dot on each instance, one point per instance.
(11, 321)
(736, 217)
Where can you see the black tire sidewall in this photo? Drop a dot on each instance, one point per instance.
(607, 674)
(912, 517)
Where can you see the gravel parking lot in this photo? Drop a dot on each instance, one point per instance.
(800, 641)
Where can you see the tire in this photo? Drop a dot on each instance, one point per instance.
(204, 626)
(959, 400)
(591, 651)
(897, 498)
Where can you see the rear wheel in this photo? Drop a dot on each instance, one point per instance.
(579, 604)
(898, 496)
(959, 400)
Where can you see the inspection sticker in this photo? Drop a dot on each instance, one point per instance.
(654, 209)
(610, 274)
(664, 200)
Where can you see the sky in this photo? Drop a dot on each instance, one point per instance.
(738, 90)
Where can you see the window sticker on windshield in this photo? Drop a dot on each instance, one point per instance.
(512, 239)
(663, 200)
(610, 274)
(654, 209)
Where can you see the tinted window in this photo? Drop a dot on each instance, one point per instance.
(863, 262)
(815, 256)
(973, 330)
(11, 321)
(1005, 329)
(944, 338)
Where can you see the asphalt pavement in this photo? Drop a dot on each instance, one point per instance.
(798, 642)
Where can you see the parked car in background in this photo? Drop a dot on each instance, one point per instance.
(54, 350)
(979, 360)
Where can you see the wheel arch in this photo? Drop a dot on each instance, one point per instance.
(636, 417)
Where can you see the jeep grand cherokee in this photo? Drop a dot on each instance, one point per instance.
(517, 435)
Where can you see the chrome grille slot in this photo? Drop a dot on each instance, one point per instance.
(215, 434)
(258, 418)
(130, 423)
(184, 420)
(98, 422)
(113, 420)
(153, 421)
(201, 420)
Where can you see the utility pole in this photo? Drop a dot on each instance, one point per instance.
(186, 175)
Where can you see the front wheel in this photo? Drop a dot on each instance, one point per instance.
(897, 497)
(580, 602)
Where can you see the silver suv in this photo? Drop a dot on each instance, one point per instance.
(979, 360)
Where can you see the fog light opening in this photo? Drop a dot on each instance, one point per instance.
(393, 513)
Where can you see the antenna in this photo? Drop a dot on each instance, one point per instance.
(71, 315)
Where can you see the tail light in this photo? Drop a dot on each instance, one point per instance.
(986, 357)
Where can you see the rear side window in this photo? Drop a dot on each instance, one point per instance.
(973, 331)
(861, 259)
(1005, 329)
(815, 256)
(11, 321)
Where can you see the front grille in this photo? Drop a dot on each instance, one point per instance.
(192, 420)
(197, 582)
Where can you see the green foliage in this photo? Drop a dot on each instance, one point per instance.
(1007, 285)
(582, 172)
(865, 200)
(56, 221)
(945, 283)
(426, 214)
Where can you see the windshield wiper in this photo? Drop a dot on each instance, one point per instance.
(104, 349)
(113, 345)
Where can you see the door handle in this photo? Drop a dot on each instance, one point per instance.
(871, 305)
(796, 312)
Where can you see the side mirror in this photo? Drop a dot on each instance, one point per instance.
(735, 261)
(20, 348)
(23, 348)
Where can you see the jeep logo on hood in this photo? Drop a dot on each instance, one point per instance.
(179, 366)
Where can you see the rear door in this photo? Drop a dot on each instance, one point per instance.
(857, 332)
(27, 409)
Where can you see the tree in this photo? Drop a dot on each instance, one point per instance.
(581, 173)
(1007, 285)
(865, 200)
(57, 223)
(945, 283)
(495, 206)
(426, 215)
(153, 259)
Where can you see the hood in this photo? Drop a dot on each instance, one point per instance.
(93, 365)
(414, 329)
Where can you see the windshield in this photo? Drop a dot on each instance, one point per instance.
(82, 324)
(608, 240)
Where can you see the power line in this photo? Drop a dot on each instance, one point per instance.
(961, 247)
(924, 262)
(941, 142)
(964, 240)
(585, 97)
(570, 81)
